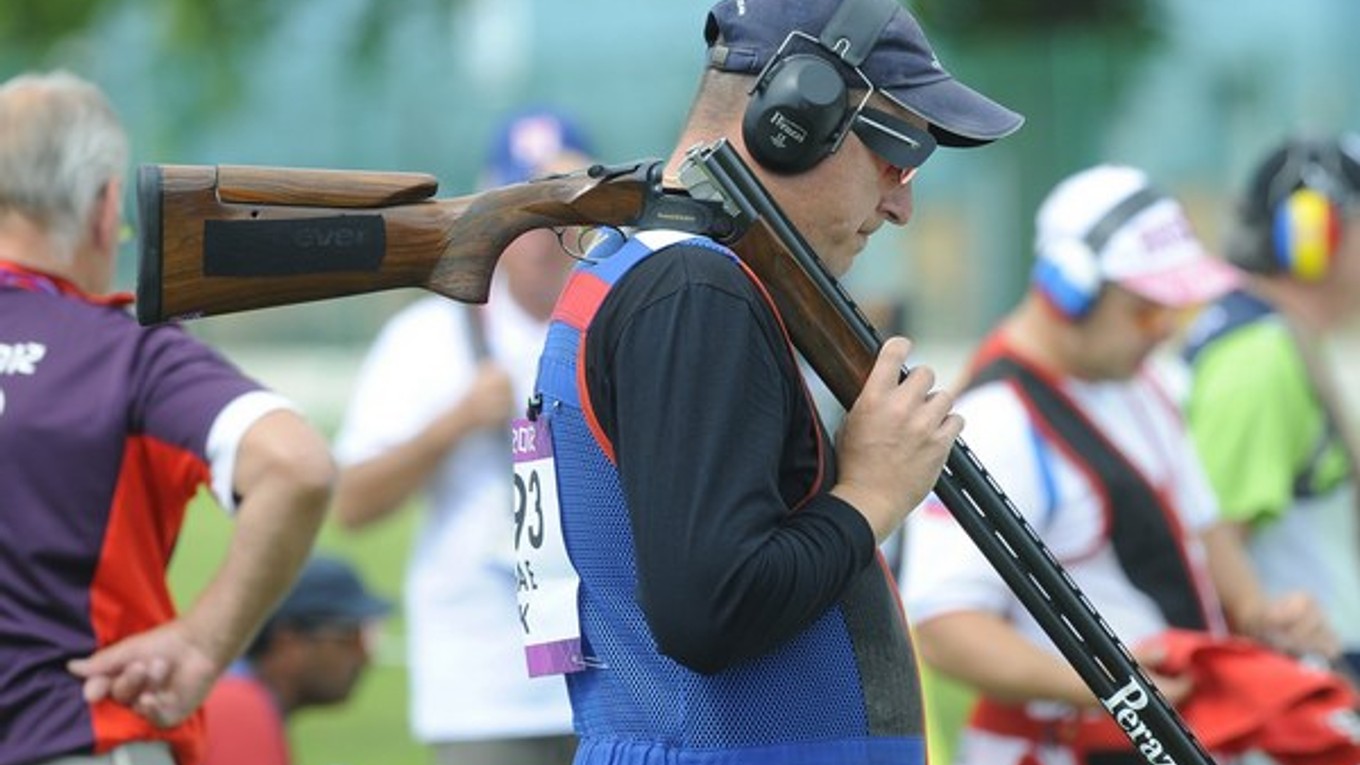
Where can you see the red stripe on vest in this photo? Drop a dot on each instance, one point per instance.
(580, 300)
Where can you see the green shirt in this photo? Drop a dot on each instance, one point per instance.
(1257, 424)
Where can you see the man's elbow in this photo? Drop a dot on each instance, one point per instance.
(695, 641)
(301, 464)
(315, 474)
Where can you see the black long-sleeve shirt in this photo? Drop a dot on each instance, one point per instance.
(717, 446)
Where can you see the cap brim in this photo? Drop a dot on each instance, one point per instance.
(362, 610)
(375, 607)
(1192, 282)
(958, 115)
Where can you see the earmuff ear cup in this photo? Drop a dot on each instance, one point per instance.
(795, 114)
(1291, 216)
(1068, 275)
(1305, 234)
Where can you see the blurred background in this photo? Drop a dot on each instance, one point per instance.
(1193, 92)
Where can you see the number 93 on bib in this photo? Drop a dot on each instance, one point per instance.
(547, 582)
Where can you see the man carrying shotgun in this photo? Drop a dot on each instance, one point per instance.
(731, 607)
(107, 430)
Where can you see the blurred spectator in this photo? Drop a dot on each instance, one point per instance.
(1264, 407)
(430, 413)
(311, 652)
(107, 431)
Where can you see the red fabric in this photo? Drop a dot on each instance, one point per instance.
(1246, 696)
(129, 594)
(1091, 731)
(38, 281)
(245, 726)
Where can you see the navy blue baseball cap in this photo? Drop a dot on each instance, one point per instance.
(329, 591)
(743, 35)
(527, 141)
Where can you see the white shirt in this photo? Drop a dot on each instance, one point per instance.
(946, 573)
(467, 666)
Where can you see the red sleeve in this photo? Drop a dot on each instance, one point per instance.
(244, 725)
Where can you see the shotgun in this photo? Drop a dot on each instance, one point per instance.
(224, 239)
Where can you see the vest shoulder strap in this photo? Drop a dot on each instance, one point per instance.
(1144, 530)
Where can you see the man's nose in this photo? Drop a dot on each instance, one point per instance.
(896, 204)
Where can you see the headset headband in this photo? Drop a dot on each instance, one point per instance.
(1317, 165)
(1111, 222)
(855, 27)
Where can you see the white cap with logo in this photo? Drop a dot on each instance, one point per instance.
(1109, 224)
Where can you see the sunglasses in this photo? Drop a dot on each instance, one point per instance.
(902, 145)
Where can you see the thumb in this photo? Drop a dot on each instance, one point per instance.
(887, 369)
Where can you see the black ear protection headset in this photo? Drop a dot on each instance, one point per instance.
(1291, 219)
(800, 108)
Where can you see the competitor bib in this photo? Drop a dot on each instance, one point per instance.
(547, 582)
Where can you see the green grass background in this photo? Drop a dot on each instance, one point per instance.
(371, 728)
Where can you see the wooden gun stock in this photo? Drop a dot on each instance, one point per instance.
(220, 239)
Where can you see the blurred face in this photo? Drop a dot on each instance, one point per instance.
(335, 658)
(845, 198)
(1346, 264)
(536, 265)
(536, 268)
(1121, 332)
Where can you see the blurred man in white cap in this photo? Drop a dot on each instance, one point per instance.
(430, 415)
(1066, 409)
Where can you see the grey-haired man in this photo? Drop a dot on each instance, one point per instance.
(107, 430)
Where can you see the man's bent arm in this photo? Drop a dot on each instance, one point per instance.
(283, 475)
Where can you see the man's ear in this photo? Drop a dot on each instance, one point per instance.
(108, 216)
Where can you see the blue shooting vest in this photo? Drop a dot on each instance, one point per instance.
(842, 692)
